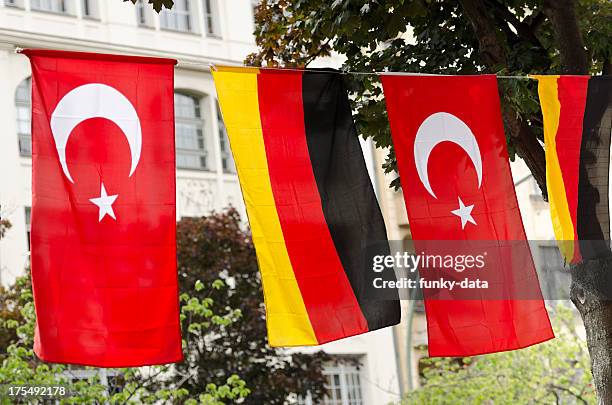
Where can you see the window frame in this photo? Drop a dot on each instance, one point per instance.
(349, 379)
(553, 273)
(177, 14)
(212, 26)
(228, 165)
(144, 18)
(24, 103)
(14, 4)
(28, 225)
(93, 9)
(343, 371)
(64, 6)
(200, 122)
(106, 376)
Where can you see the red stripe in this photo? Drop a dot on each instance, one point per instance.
(331, 304)
(571, 92)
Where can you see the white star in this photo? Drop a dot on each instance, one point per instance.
(105, 203)
(465, 213)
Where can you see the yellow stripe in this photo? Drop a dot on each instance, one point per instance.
(286, 315)
(559, 210)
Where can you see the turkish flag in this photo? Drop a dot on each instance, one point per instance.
(103, 210)
(451, 152)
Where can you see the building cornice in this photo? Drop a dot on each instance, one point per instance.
(12, 39)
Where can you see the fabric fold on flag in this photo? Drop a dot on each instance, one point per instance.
(103, 233)
(577, 113)
(309, 199)
(453, 163)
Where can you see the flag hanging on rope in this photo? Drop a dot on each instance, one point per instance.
(453, 164)
(309, 199)
(103, 210)
(577, 113)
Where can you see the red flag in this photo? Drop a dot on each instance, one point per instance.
(453, 163)
(103, 209)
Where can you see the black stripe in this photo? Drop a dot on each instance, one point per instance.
(347, 196)
(593, 218)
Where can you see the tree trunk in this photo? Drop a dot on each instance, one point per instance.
(591, 285)
(591, 280)
(527, 148)
(562, 14)
(493, 55)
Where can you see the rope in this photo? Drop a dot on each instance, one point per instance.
(212, 66)
(348, 72)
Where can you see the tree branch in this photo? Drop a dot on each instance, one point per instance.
(536, 21)
(528, 148)
(490, 49)
(494, 57)
(562, 14)
(323, 48)
(569, 391)
(523, 30)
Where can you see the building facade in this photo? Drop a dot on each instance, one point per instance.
(197, 33)
(206, 177)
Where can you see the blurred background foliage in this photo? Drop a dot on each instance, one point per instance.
(227, 357)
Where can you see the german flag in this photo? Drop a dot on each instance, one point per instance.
(309, 199)
(577, 113)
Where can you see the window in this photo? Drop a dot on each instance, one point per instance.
(343, 385)
(190, 143)
(550, 257)
(211, 18)
(23, 109)
(177, 18)
(56, 6)
(143, 14)
(554, 276)
(14, 3)
(531, 185)
(110, 379)
(28, 224)
(227, 161)
(307, 400)
(90, 8)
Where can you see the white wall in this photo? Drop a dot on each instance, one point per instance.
(376, 352)
(16, 178)
(115, 31)
(534, 210)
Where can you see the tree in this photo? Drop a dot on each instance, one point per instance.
(223, 328)
(552, 372)
(20, 366)
(459, 37)
(217, 247)
(10, 305)
(511, 37)
(4, 226)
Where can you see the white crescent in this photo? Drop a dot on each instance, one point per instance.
(444, 127)
(95, 100)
